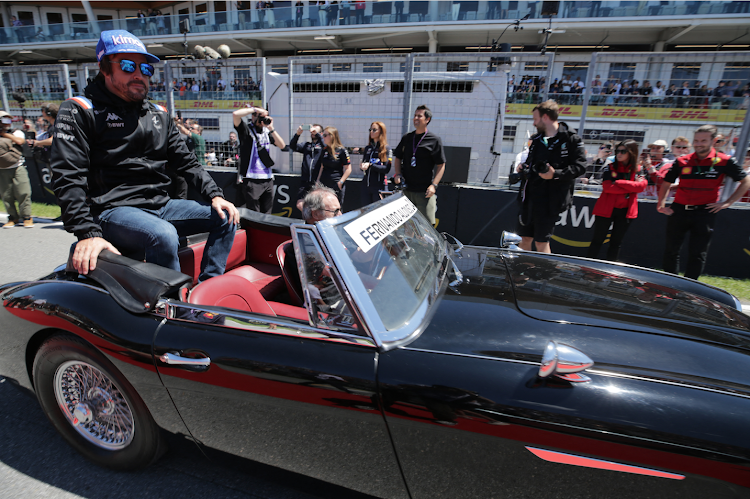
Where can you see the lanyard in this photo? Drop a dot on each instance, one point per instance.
(415, 147)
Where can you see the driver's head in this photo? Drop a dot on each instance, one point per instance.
(320, 203)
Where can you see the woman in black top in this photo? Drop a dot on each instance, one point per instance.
(376, 163)
(335, 166)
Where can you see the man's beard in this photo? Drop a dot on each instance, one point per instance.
(134, 91)
(541, 130)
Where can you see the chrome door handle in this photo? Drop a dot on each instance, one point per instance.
(170, 358)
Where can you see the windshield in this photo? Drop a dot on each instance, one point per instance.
(397, 255)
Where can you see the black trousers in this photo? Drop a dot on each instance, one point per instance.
(700, 225)
(258, 194)
(620, 224)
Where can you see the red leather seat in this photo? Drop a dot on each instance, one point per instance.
(285, 253)
(230, 291)
(265, 277)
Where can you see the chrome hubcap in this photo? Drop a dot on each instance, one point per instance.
(94, 405)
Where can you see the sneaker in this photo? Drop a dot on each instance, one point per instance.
(28, 223)
(9, 225)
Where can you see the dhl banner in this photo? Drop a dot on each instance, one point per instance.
(639, 113)
(213, 104)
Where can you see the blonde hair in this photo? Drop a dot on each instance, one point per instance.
(335, 142)
(383, 141)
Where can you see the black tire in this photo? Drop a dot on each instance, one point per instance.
(110, 425)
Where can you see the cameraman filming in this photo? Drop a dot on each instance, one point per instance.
(556, 158)
(255, 161)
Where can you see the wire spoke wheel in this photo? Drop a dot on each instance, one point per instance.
(93, 405)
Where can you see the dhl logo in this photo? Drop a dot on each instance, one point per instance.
(203, 103)
(565, 110)
(242, 103)
(689, 115)
(620, 111)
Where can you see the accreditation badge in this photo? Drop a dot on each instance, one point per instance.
(413, 162)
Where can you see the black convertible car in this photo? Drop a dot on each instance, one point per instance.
(373, 352)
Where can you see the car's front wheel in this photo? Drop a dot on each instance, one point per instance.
(93, 406)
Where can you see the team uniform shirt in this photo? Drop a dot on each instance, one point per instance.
(377, 171)
(429, 152)
(700, 180)
(334, 166)
(251, 166)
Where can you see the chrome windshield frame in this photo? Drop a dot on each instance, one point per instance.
(357, 294)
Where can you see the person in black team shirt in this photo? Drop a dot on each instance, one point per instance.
(312, 153)
(422, 155)
(376, 163)
(556, 157)
(335, 166)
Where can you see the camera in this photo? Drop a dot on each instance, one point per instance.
(540, 167)
(265, 120)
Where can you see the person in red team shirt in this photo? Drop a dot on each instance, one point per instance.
(696, 201)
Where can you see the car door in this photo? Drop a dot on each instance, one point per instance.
(280, 391)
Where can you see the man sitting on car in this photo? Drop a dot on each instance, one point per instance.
(110, 160)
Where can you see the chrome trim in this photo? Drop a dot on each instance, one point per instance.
(594, 371)
(177, 360)
(683, 384)
(246, 321)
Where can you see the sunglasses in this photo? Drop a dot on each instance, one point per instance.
(680, 147)
(326, 134)
(604, 147)
(129, 67)
(621, 151)
(374, 130)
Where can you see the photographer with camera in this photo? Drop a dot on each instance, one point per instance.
(556, 158)
(255, 161)
(14, 179)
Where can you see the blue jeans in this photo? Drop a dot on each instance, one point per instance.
(153, 235)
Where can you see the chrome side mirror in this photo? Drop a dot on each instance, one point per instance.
(510, 240)
(565, 362)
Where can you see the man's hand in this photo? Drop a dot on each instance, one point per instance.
(220, 204)
(299, 130)
(397, 178)
(550, 173)
(364, 166)
(430, 191)
(665, 210)
(717, 207)
(520, 166)
(87, 251)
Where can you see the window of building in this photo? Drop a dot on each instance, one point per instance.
(27, 18)
(685, 72)
(281, 69)
(341, 66)
(345, 86)
(620, 71)
(220, 9)
(457, 66)
(435, 86)
(417, 67)
(311, 68)
(578, 70)
(372, 67)
(189, 71)
(736, 72)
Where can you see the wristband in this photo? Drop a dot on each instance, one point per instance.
(271, 131)
(434, 185)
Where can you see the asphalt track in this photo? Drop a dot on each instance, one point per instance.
(36, 462)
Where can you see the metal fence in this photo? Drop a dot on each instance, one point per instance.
(26, 88)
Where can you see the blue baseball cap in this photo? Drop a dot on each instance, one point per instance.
(119, 41)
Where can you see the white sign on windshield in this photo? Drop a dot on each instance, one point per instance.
(368, 230)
